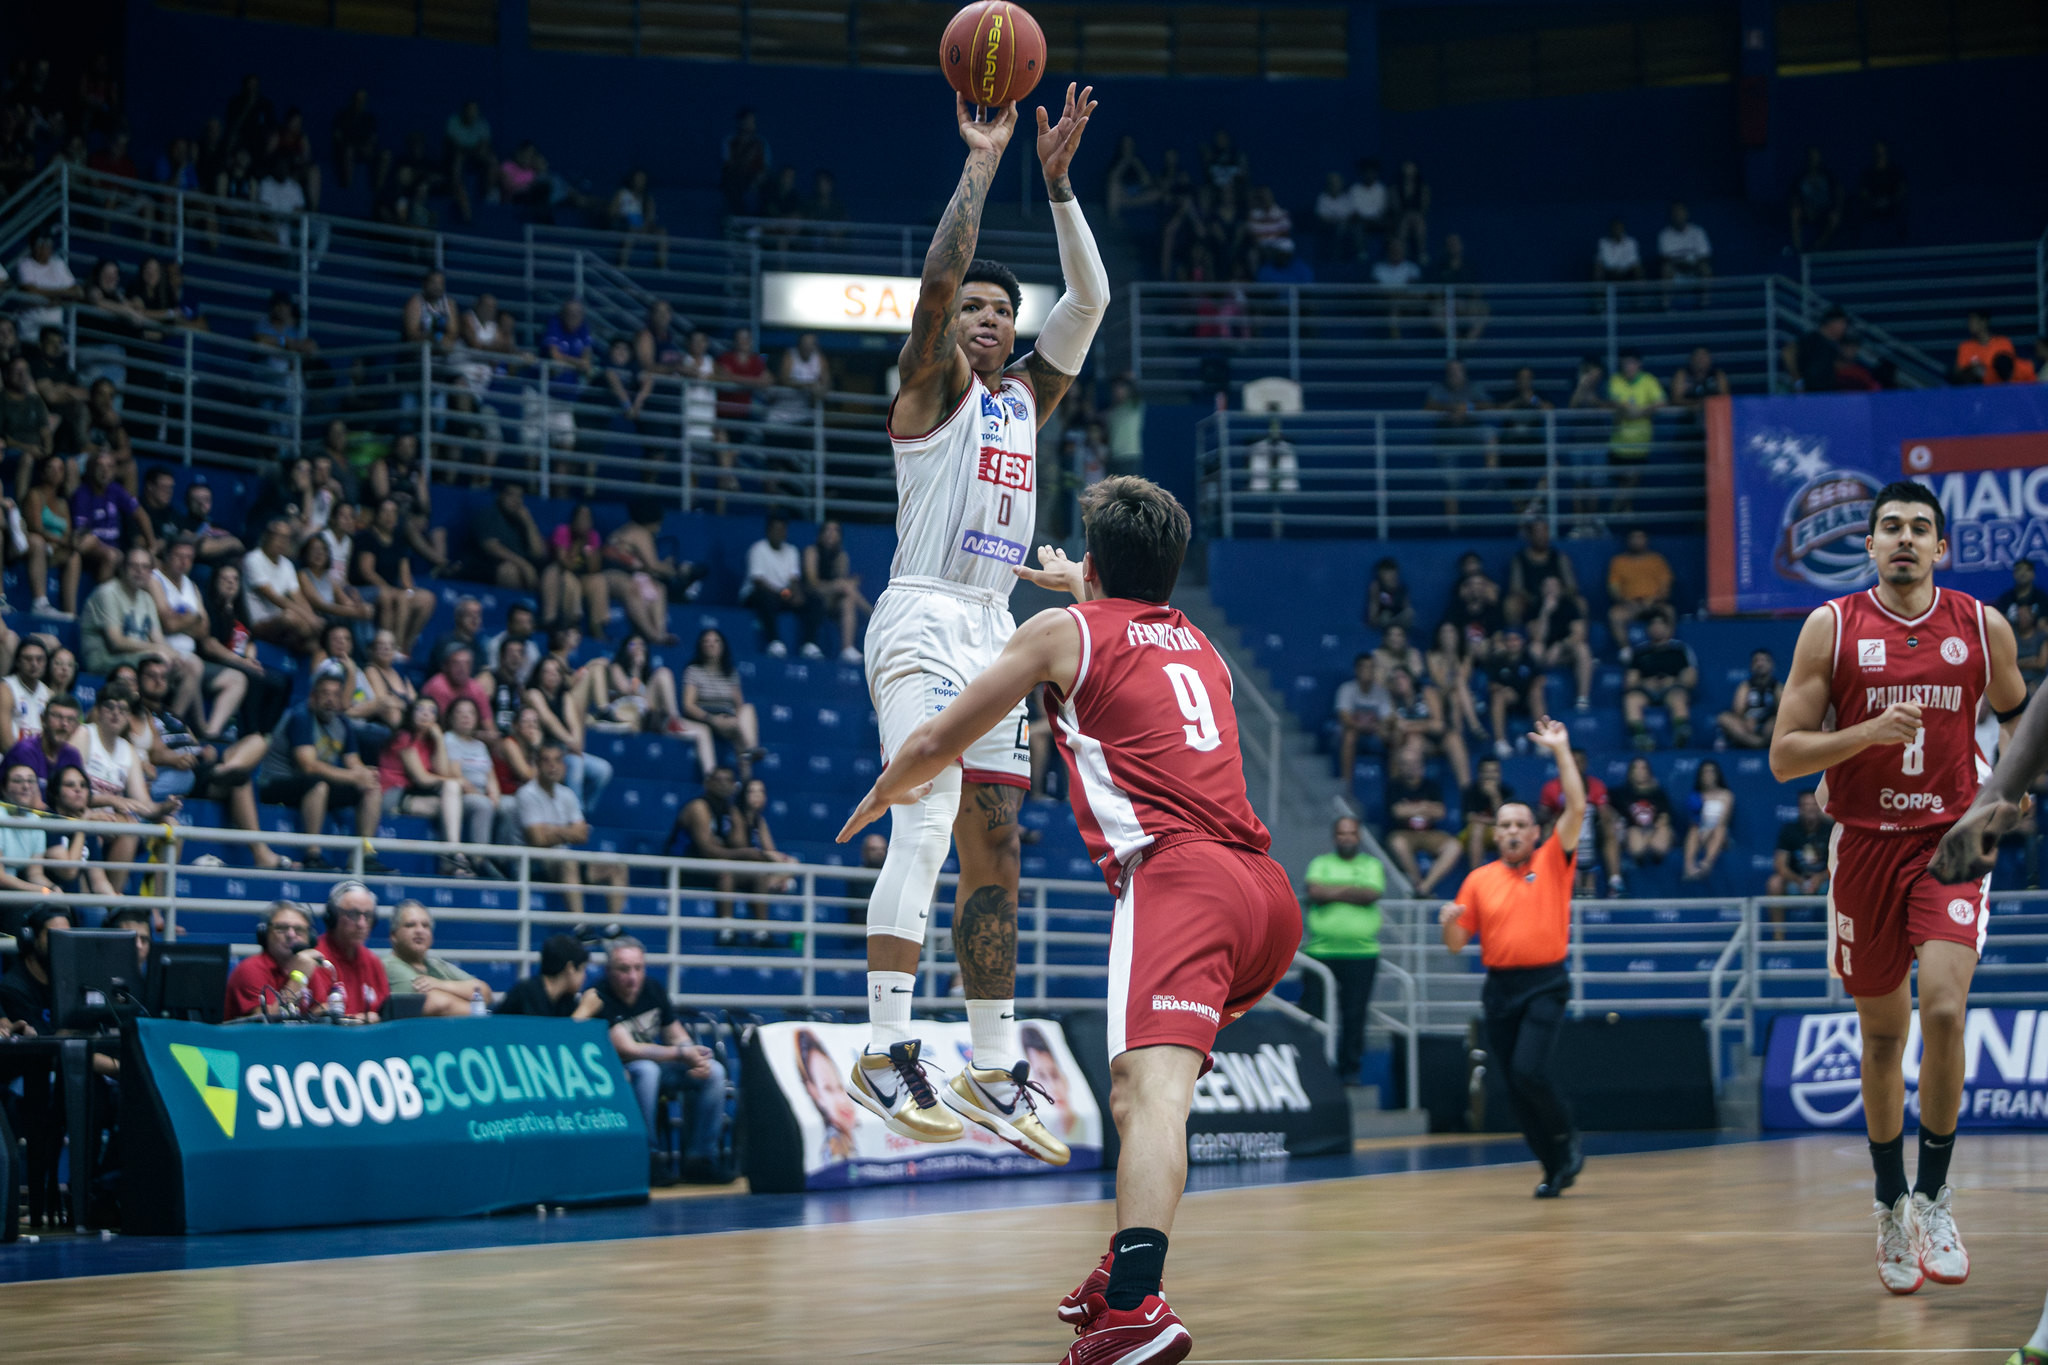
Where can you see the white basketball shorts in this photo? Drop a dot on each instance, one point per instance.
(927, 640)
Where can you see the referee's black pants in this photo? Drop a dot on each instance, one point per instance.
(1354, 1002)
(1525, 1007)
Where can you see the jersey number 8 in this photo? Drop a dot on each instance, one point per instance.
(1913, 760)
(1203, 734)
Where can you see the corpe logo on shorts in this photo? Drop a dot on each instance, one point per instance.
(1170, 1002)
(1870, 653)
(1962, 911)
(1954, 649)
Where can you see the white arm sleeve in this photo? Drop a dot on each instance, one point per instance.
(1070, 327)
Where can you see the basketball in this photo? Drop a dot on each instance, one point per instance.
(993, 53)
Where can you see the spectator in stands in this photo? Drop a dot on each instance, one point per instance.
(44, 275)
(775, 585)
(1372, 202)
(1558, 638)
(1457, 402)
(1362, 707)
(402, 477)
(1128, 183)
(466, 633)
(230, 644)
(1799, 865)
(315, 765)
(1698, 380)
(1224, 163)
(465, 742)
(49, 749)
(2030, 639)
(1395, 655)
(564, 704)
(1600, 834)
(412, 968)
(1267, 223)
(121, 625)
(419, 779)
(467, 135)
(28, 429)
(23, 794)
(2022, 591)
(634, 549)
(65, 394)
(577, 576)
(551, 817)
(1415, 814)
(1397, 276)
(519, 630)
(642, 694)
(1647, 817)
(1683, 252)
(185, 764)
(744, 160)
(1752, 712)
(824, 206)
(23, 692)
(1481, 802)
(383, 574)
(712, 698)
(1448, 668)
(282, 190)
(351, 915)
(1977, 351)
(1816, 205)
(712, 825)
(1409, 210)
(555, 990)
(1344, 887)
(1881, 196)
(1475, 610)
(1339, 231)
(1514, 686)
(216, 545)
(74, 860)
(264, 982)
(457, 678)
(1271, 452)
(1635, 394)
(118, 775)
(659, 1059)
(430, 318)
(509, 545)
(277, 613)
(1617, 255)
(1536, 559)
(1664, 673)
(1386, 597)
(324, 586)
(1816, 357)
(829, 579)
(353, 139)
(250, 115)
(1457, 295)
(742, 371)
(1638, 582)
(1712, 808)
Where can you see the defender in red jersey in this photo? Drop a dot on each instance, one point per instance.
(1205, 922)
(1883, 700)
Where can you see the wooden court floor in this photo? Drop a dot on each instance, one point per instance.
(1748, 1252)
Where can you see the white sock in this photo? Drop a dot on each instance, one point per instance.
(889, 997)
(2039, 1341)
(992, 1025)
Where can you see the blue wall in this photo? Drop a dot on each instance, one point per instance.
(1530, 183)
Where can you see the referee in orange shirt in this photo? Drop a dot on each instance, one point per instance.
(1520, 909)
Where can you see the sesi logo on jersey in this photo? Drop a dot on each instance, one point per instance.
(1004, 468)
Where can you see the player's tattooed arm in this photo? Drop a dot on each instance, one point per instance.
(930, 354)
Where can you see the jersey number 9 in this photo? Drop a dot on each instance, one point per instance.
(1203, 733)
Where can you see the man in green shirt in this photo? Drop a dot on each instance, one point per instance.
(1634, 394)
(1344, 888)
(412, 968)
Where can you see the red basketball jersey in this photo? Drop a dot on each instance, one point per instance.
(1940, 661)
(1150, 737)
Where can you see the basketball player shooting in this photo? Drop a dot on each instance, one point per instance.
(964, 428)
(1902, 667)
(1205, 922)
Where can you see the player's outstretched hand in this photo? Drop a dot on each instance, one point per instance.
(1552, 735)
(1057, 142)
(874, 804)
(1059, 573)
(1970, 847)
(991, 136)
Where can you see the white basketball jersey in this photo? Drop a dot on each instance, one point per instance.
(966, 492)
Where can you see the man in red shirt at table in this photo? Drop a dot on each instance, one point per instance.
(351, 914)
(259, 983)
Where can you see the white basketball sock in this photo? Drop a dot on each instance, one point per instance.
(2039, 1341)
(992, 1025)
(889, 997)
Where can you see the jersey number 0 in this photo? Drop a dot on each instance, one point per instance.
(1202, 732)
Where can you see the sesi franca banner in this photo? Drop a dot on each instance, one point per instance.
(1813, 1072)
(259, 1126)
(1790, 483)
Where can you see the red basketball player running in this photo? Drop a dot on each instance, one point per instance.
(1902, 667)
(1205, 922)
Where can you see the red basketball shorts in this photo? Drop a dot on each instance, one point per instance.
(1203, 930)
(1882, 904)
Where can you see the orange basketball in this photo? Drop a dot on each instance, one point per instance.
(993, 53)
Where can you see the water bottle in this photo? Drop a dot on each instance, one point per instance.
(476, 1003)
(337, 1006)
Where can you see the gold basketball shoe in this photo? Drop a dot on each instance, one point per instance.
(894, 1087)
(1003, 1103)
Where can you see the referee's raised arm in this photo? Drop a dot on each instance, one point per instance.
(1553, 735)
